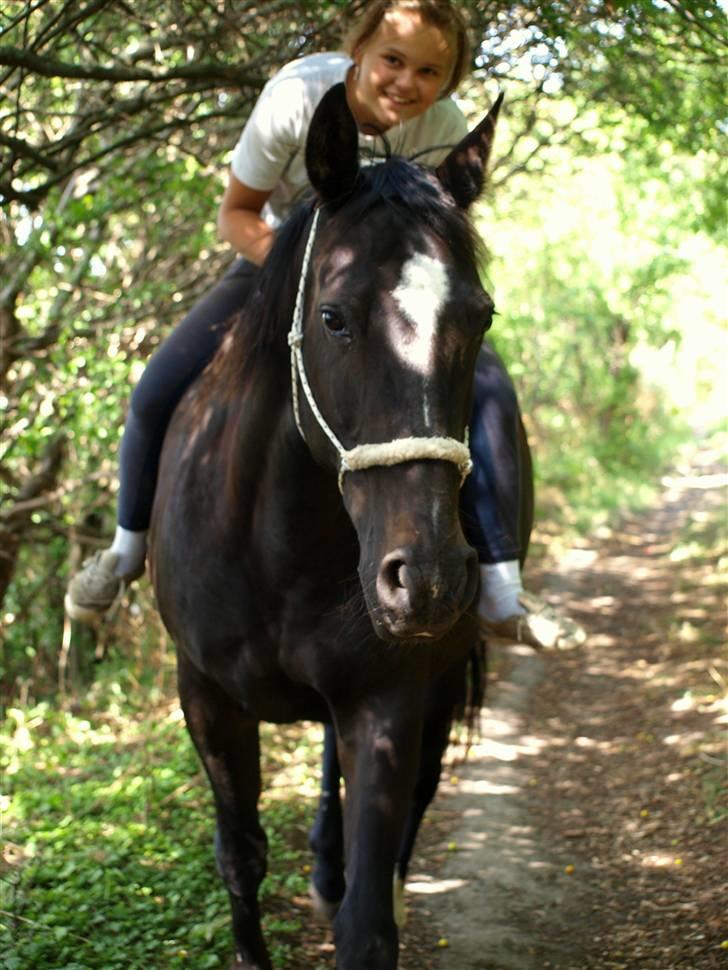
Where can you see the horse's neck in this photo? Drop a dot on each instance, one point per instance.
(289, 494)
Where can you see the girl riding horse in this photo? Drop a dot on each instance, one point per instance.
(403, 60)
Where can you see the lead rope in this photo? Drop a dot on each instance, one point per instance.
(362, 456)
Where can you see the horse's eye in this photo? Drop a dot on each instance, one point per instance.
(484, 310)
(333, 321)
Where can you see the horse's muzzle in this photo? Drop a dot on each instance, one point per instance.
(418, 597)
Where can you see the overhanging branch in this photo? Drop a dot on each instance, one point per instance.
(14, 57)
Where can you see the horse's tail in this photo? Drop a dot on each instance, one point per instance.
(474, 681)
(526, 510)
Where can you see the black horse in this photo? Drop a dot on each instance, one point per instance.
(303, 578)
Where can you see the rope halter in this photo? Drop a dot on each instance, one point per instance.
(362, 456)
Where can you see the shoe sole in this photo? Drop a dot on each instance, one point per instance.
(84, 614)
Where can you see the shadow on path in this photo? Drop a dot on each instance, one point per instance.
(587, 831)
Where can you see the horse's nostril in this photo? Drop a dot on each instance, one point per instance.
(395, 582)
(451, 583)
(395, 574)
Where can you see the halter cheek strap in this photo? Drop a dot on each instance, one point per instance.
(362, 456)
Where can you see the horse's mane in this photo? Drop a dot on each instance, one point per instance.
(411, 190)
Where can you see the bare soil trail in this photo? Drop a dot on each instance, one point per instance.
(588, 829)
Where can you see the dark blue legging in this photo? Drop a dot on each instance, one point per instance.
(490, 498)
(170, 371)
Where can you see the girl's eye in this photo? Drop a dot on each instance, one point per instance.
(392, 60)
(333, 321)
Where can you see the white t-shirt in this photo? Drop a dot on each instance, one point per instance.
(270, 154)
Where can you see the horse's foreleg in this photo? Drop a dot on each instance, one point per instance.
(435, 736)
(327, 836)
(228, 745)
(378, 746)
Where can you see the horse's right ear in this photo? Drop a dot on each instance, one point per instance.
(332, 146)
(463, 171)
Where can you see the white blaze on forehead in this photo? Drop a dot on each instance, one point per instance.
(420, 294)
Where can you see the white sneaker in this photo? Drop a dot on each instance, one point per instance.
(93, 590)
(541, 626)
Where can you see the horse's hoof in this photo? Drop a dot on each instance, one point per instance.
(400, 908)
(322, 906)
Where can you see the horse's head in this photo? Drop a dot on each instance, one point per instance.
(392, 316)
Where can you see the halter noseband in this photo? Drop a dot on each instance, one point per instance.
(362, 456)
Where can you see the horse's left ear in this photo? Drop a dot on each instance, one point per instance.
(332, 146)
(463, 171)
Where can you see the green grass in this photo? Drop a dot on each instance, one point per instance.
(108, 830)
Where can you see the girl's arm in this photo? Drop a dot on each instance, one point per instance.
(239, 222)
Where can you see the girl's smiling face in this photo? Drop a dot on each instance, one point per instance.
(399, 71)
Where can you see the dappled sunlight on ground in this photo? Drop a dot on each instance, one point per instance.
(600, 789)
(433, 886)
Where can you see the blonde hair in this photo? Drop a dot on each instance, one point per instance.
(437, 13)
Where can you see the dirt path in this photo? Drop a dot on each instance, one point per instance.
(588, 830)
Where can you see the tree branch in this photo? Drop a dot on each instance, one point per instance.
(49, 67)
(695, 22)
(15, 519)
(22, 149)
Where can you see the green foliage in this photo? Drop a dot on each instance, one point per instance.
(590, 272)
(644, 78)
(109, 829)
(28, 649)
